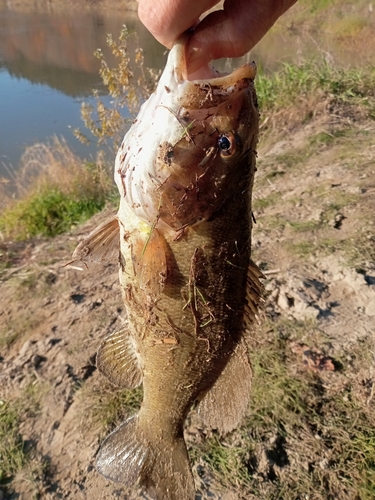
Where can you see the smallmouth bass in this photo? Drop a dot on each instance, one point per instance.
(185, 173)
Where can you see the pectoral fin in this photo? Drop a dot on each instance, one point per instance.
(102, 244)
(150, 262)
(118, 360)
(225, 404)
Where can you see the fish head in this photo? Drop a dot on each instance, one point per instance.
(190, 147)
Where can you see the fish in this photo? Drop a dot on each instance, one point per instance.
(192, 294)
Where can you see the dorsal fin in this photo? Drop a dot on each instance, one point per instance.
(118, 360)
(254, 295)
(102, 244)
(150, 262)
(224, 405)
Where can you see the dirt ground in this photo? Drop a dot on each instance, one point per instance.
(314, 239)
(314, 202)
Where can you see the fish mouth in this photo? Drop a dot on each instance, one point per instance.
(207, 74)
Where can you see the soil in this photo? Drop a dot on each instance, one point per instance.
(314, 239)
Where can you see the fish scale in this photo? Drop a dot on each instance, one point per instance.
(185, 173)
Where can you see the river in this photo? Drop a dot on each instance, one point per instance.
(48, 68)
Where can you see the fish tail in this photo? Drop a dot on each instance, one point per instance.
(129, 455)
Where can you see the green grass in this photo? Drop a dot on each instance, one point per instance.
(262, 203)
(324, 138)
(314, 441)
(294, 82)
(54, 191)
(14, 454)
(108, 406)
(303, 226)
(48, 213)
(318, 5)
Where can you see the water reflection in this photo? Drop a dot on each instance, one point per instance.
(56, 48)
(47, 68)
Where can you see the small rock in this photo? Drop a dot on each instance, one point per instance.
(26, 348)
(36, 360)
(284, 301)
(336, 222)
(50, 342)
(77, 298)
(55, 425)
(96, 303)
(323, 464)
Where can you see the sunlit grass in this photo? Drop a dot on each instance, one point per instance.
(53, 191)
(294, 82)
(12, 447)
(318, 5)
(107, 406)
(298, 438)
(14, 453)
(129, 82)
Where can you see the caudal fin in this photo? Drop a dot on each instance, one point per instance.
(160, 466)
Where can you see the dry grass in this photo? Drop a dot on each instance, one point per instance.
(52, 191)
(306, 435)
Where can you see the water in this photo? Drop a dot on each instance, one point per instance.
(47, 67)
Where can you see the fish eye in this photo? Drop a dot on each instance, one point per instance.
(227, 144)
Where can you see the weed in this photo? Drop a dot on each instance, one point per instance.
(361, 252)
(275, 173)
(294, 419)
(128, 87)
(227, 459)
(48, 213)
(319, 5)
(107, 405)
(325, 85)
(303, 226)
(339, 200)
(24, 323)
(348, 27)
(291, 160)
(262, 203)
(7, 337)
(326, 138)
(13, 452)
(54, 191)
(12, 448)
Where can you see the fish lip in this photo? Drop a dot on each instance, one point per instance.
(246, 72)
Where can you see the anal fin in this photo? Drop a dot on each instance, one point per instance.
(118, 360)
(224, 405)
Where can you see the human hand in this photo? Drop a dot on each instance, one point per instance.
(230, 32)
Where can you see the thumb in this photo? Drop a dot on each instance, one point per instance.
(233, 31)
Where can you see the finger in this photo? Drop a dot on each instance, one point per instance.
(167, 19)
(233, 31)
